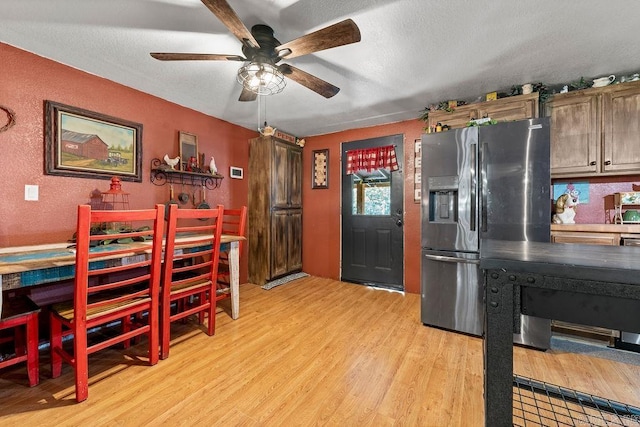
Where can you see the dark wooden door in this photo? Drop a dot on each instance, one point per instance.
(372, 220)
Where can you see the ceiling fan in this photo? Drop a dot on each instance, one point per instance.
(261, 75)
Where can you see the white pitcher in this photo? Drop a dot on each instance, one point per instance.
(604, 81)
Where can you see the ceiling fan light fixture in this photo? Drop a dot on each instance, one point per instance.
(261, 78)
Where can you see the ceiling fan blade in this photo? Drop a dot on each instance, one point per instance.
(309, 81)
(230, 19)
(247, 95)
(195, 57)
(340, 34)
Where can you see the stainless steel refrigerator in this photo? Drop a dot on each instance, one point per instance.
(487, 182)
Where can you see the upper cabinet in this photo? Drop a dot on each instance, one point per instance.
(504, 109)
(287, 175)
(512, 108)
(575, 133)
(621, 128)
(457, 118)
(596, 131)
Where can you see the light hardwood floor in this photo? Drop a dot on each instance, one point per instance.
(311, 352)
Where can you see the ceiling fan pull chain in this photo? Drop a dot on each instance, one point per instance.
(259, 112)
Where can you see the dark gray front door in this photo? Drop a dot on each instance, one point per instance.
(372, 220)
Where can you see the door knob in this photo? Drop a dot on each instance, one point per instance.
(399, 223)
(608, 162)
(593, 163)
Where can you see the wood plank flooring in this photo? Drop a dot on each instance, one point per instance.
(312, 352)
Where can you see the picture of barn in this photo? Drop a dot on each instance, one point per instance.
(84, 145)
(92, 145)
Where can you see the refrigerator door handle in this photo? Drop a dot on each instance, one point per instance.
(482, 186)
(452, 259)
(472, 186)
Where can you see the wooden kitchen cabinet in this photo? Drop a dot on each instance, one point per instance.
(575, 134)
(621, 128)
(458, 118)
(274, 229)
(504, 109)
(586, 238)
(512, 108)
(596, 235)
(286, 242)
(286, 175)
(594, 132)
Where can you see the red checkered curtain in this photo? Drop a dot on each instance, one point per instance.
(370, 159)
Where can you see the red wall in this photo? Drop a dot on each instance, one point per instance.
(321, 208)
(28, 80)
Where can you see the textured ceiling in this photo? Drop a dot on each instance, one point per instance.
(413, 52)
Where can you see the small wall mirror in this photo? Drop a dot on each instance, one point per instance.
(188, 149)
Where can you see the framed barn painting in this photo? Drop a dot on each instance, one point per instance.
(86, 144)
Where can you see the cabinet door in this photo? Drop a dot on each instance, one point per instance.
(509, 111)
(294, 253)
(575, 135)
(455, 119)
(286, 175)
(286, 242)
(621, 120)
(280, 175)
(584, 238)
(609, 239)
(295, 177)
(279, 243)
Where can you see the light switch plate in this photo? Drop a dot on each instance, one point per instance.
(31, 192)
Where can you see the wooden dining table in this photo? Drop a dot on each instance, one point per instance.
(24, 266)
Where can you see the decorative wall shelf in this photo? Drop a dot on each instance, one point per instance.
(162, 174)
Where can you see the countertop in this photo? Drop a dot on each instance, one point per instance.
(583, 262)
(598, 228)
(586, 284)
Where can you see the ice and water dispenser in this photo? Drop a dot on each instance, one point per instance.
(443, 199)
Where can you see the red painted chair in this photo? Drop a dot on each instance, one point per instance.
(117, 279)
(234, 223)
(190, 268)
(21, 314)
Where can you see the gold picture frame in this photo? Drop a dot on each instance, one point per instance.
(320, 169)
(87, 144)
(188, 143)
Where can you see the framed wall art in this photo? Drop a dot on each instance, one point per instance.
(320, 169)
(189, 158)
(86, 144)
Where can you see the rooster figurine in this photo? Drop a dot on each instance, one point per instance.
(171, 162)
(212, 166)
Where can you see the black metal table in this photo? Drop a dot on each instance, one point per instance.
(587, 284)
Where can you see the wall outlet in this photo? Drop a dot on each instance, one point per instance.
(31, 193)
